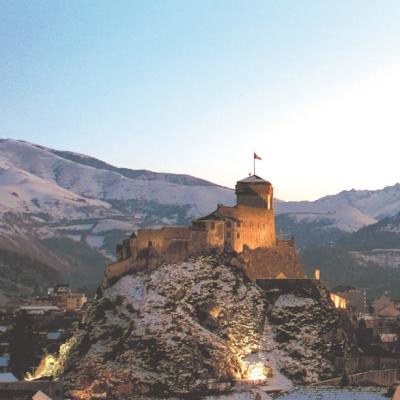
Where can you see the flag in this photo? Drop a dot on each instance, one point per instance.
(256, 157)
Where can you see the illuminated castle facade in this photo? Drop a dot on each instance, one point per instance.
(247, 228)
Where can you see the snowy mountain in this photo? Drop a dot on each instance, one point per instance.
(69, 210)
(331, 217)
(93, 178)
(74, 195)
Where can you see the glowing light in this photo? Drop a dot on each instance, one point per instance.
(339, 302)
(317, 274)
(255, 372)
(44, 369)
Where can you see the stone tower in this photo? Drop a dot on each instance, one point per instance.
(254, 192)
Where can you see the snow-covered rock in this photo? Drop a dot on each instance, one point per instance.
(305, 332)
(196, 327)
(174, 330)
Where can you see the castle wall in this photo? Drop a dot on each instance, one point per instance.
(270, 263)
(256, 229)
(215, 234)
(120, 268)
(151, 238)
(248, 227)
(159, 239)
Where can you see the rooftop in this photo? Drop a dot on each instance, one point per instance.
(7, 377)
(4, 361)
(54, 335)
(253, 179)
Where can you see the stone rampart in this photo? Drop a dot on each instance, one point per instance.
(273, 262)
(260, 263)
(118, 269)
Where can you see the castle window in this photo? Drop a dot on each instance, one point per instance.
(238, 236)
(212, 225)
(228, 224)
(150, 243)
(238, 224)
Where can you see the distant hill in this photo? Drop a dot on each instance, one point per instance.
(347, 210)
(326, 220)
(384, 235)
(368, 259)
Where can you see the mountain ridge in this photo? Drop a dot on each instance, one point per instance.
(50, 195)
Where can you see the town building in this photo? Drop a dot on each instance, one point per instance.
(62, 297)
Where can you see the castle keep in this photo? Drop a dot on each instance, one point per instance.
(247, 228)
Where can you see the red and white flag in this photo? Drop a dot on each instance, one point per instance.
(256, 157)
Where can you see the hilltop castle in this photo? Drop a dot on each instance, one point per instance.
(247, 228)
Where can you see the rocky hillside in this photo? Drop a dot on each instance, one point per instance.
(142, 335)
(306, 331)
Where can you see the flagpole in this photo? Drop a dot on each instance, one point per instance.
(254, 164)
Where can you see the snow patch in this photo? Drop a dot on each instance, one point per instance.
(109, 224)
(95, 241)
(290, 300)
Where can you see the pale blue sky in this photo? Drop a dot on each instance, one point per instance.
(194, 86)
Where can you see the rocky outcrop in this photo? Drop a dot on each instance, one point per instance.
(194, 328)
(178, 329)
(305, 332)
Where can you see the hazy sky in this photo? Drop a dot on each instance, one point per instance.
(194, 86)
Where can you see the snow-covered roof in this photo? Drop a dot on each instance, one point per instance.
(8, 377)
(4, 361)
(39, 307)
(3, 328)
(53, 335)
(253, 179)
(388, 311)
(368, 317)
(324, 393)
(41, 396)
(388, 337)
